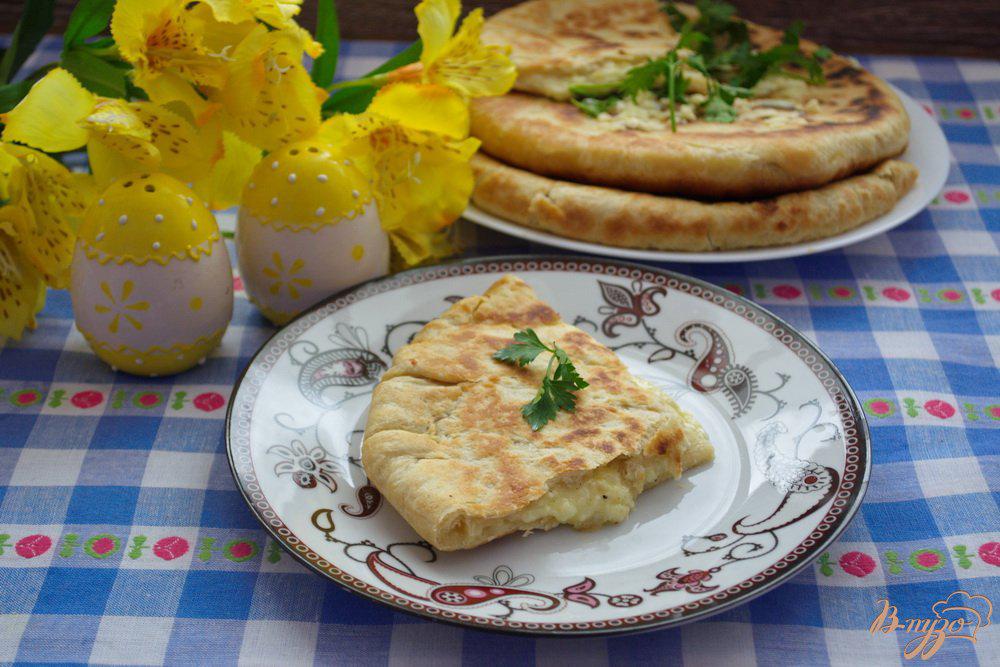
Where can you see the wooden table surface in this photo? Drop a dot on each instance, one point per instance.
(929, 27)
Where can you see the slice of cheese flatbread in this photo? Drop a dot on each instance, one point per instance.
(447, 446)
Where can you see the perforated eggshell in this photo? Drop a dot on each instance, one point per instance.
(307, 228)
(151, 279)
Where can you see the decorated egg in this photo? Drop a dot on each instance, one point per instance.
(151, 281)
(307, 228)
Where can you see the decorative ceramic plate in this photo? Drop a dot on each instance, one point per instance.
(928, 150)
(790, 469)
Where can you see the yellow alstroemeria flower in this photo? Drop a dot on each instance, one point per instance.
(22, 289)
(269, 99)
(422, 184)
(232, 165)
(171, 48)
(275, 13)
(412, 143)
(59, 114)
(43, 206)
(459, 60)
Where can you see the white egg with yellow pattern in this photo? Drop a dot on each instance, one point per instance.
(307, 228)
(151, 282)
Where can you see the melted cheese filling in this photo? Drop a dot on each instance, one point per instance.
(584, 501)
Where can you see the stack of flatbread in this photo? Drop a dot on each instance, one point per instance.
(800, 162)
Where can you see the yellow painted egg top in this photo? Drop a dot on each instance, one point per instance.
(146, 217)
(305, 185)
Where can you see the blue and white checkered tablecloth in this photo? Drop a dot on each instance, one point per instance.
(124, 540)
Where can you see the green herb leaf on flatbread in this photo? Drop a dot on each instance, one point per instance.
(559, 385)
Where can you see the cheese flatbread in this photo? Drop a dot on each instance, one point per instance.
(447, 446)
(791, 136)
(637, 220)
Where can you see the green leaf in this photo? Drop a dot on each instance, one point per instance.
(691, 38)
(525, 348)
(815, 72)
(792, 34)
(643, 77)
(134, 92)
(36, 19)
(697, 63)
(718, 110)
(541, 410)
(714, 13)
(327, 34)
(89, 18)
(594, 89)
(675, 16)
(566, 372)
(356, 100)
(97, 75)
(594, 107)
(561, 393)
(101, 43)
(529, 337)
(410, 54)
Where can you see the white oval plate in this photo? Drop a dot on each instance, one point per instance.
(928, 151)
(790, 470)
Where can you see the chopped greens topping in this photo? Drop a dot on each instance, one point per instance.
(722, 54)
(594, 106)
(558, 386)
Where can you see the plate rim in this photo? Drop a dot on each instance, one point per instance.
(845, 239)
(711, 609)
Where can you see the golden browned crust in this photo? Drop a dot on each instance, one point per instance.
(448, 447)
(638, 220)
(854, 122)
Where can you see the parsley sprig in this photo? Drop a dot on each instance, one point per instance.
(723, 54)
(558, 385)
